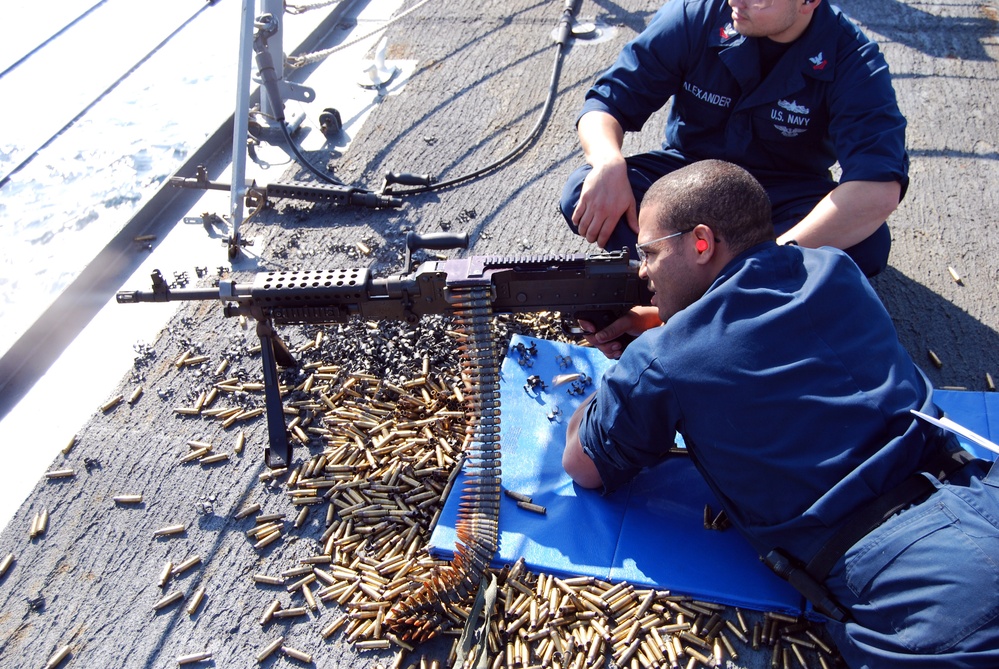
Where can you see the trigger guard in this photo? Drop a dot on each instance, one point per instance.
(570, 327)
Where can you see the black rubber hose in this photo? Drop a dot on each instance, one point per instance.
(562, 39)
(304, 161)
(564, 31)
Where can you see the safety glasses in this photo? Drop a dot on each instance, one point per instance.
(640, 248)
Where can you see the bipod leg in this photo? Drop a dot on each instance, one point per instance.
(272, 351)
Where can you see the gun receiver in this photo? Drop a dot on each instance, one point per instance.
(597, 288)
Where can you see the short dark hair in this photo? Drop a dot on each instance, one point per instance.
(720, 195)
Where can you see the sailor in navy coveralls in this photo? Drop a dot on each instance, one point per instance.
(782, 88)
(784, 374)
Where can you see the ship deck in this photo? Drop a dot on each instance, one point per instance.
(472, 82)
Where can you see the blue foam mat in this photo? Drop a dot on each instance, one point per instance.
(979, 412)
(651, 533)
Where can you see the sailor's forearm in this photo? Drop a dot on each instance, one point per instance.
(848, 215)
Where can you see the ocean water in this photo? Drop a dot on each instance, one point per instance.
(70, 185)
(86, 138)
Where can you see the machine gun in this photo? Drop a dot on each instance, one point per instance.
(597, 288)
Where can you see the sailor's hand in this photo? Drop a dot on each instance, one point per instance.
(612, 339)
(605, 199)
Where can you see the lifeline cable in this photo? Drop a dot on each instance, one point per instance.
(104, 94)
(48, 40)
(295, 10)
(307, 59)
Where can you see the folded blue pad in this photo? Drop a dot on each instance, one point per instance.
(979, 412)
(651, 533)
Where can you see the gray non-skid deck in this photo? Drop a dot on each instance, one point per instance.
(482, 70)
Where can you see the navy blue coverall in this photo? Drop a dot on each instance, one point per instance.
(828, 98)
(797, 417)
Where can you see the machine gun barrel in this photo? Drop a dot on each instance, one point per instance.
(173, 295)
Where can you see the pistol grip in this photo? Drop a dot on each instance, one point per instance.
(600, 318)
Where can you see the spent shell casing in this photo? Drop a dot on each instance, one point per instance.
(373, 644)
(269, 649)
(782, 617)
(185, 565)
(169, 530)
(195, 454)
(263, 529)
(268, 539)
(43, 521)
(128, 499)
(737, 631)
(169, 599)
(5, 565)
(798, 654)
(536, 508)
(330, 629)
(165, 574)
(69, 446)
(310, 599)
(212, 459)
(269, 612)
(316, 559)
(518, 496)
(247, 510)
(291, 613)
(699, 656)
(60, 473)
(561, 379)
(57, 657)
(299, 655)
(195, 601)
(303, 515)
(194, 657)
(112, 403)
(729, 647)
(743, 627)
(818, 641)
(301, 582)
